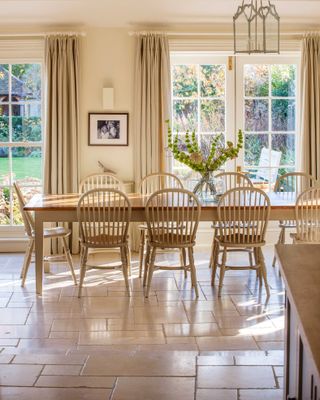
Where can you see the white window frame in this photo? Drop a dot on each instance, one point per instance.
(240, 98)
(17, 231)
(180, 58)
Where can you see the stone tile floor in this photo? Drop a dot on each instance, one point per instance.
(169, 347)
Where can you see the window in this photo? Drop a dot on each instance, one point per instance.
(20, 136)
(199, 87)
(263, 103)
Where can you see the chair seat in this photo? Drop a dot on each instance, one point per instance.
(287, 224)
(145, 226)
(58, 231)
(171, 240)
(240, 240)
(104, 240)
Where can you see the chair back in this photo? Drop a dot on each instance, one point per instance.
(294, 183)
(307, 213)
(104, 216)
(243, 215)
(232, 180)
(172, 217)
(158, 181)
(100, 181)
(27, 217)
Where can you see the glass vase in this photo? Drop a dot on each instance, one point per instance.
(205, 189)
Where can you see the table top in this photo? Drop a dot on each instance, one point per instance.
(69, 202)
(300, 265)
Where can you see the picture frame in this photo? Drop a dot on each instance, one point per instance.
(108, 129)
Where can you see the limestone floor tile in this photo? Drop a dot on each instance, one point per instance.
(158, 315)
(13, 393)
(65, 335)
(47, 343)
(5, 358)
(216, 394)
(154, 388)
(61, 370)
(178, 295)
(271, 345)
(25, 331)
(49, 317)
(76, 381)
(19, 375)
(205, 329)
(279, 371)
(274, 394)
(121, 337)
(199, 317)
(267, 336)
(142, 363)
(73, 359)
(226, 322)
(260, 358)
(226, 343)
(12, 317)
(216, 360)
(83, 324)
(233, 377)
(8, 342)
(127, 325)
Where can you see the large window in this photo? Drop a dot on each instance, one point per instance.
(20, 136)
(258, 95)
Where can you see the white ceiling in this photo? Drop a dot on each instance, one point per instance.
(126, 13)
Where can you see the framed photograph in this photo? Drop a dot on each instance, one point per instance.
(108, 129)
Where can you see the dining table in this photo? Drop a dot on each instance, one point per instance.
(63, 208)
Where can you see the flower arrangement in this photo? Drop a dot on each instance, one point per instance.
(204, 159)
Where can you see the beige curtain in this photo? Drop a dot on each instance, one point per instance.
(310, 104)
(151, 107)
(62, 117)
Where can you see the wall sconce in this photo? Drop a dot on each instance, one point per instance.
(107, 98)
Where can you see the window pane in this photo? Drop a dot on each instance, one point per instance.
(286, 144)
(256, 80)
(185, 115)
(26, 82)
(256, 115)
(283, 80)
(4, 206)
(253, 145)
(26, 122)
(4, 166)
(4, 123)
(27, 165)
(185, 80)
(205, 143)
(4, 82)
(212, 80)
(283, 115)
(212, 116)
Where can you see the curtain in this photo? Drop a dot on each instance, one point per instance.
(151, 107)
(61, 173)
(310, 104)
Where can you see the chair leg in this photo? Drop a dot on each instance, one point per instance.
(264, 271)
(150, 270)
(212, 248)
(281, 240)
(27, 261)
(141, 251)
(69, 259)
(258, 263)
(193, 271)
(216, 249)
(83, 269)
(222, 270)
(250, 258)
(183, 260)
(128, 252)
(146, 264)
(125, 266)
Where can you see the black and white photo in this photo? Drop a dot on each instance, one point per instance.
(108, 129)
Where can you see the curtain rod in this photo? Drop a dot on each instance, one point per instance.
(172, 33)
(41, 34)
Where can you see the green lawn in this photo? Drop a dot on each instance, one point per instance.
(23, 167)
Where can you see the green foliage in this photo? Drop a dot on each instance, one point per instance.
(201, 161)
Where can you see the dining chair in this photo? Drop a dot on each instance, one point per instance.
(172, 217)
(230, 180)
(243, 215)
(148, 185)
(49, 233)
(307, 212)
(289, 186)
(104, 216)
(98, 181)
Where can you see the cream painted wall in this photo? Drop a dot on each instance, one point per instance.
(107, 57)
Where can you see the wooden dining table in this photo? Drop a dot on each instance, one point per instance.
(63, 208)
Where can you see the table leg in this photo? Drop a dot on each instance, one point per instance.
(39, 251)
